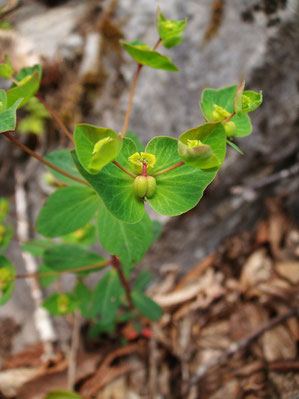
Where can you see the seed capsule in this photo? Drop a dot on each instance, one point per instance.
(145, 186)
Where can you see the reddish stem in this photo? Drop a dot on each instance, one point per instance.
(161, 172)
(144, 169)
(56, 118)
(116, 264)
(124, 169)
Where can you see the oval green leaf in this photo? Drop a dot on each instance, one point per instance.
(67, 210)
(8, 118)
(180, 189)
(96, 146)
(63, 160)
(129, 241)
(146, 306)
(142, 54)
(29, 79)
(106, 298)
(67, 257)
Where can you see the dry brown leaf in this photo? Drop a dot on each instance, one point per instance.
(289, 270)
(257, 269)
(278, 344)
(230, 390)
(12, 380)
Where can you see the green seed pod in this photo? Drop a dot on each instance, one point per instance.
(229, 128)
(151, 186)
(140, 186)
(145, 186)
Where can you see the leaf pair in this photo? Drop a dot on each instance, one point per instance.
(177, 190)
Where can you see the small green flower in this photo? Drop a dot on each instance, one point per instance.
(63, 304)
(145, 186)
(138, 160)
(194, 143)
(6, 278)
(219, 113)
(229, 127)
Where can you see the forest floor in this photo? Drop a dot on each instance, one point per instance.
(230, 329)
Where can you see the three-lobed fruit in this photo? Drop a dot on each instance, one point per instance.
(145, 186)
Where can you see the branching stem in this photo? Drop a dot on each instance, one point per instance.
(116, 264)
(41, 159)
(58, 273)
(132, 92)
(161, 172)
(56, 118)
(229, 117)
(124, 169)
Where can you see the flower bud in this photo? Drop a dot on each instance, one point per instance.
(219, 113)
(144, 186)
(63, 303)
(229, 128)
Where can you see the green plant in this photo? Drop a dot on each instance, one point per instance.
(107, 177)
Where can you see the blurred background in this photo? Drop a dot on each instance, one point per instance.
(248, 219)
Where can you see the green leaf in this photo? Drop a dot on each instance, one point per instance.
(60, 304)
(251, 101)
(150, 309)
(7, 279)
(29, 79)
(180, 189)
(63, 160)
(2, 101)
(170, 31)
(96, 146)
(6, 234)
(129, 241)
(67, 210)
(224, 98)
(143, 279)
(85, 236)
(8, 118)
(106, 297)
(66, 257)
(83, 296)
(235, 147)
(48, 280)
(145, 56)
(210, 149)
(62, 394)
(37, 246)
(115, 187)
(6, 69)
(4, 208)
(135, 138)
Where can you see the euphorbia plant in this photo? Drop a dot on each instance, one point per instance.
(107, 177)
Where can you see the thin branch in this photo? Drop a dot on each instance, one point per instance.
(124, 169)
(116, 264)
(161, 172)
(58, 273)
(56, 118)
(229, 117)
(239, 345)
(132, 92)
(129, 106)
(71, 376)
(41, 159)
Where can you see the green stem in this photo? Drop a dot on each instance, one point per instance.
(56, 118)
(161, 172)
(73, 270)
(132, 92)
(124, 169)
(41, 159)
